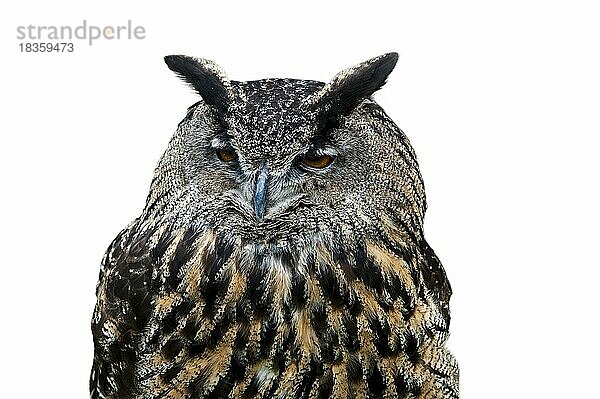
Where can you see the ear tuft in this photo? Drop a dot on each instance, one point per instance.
(351, 86)
(206, 78)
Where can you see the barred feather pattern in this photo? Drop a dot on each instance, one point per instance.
(202, 314)
(338, 297)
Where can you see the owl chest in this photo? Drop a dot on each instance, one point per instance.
(273, 328)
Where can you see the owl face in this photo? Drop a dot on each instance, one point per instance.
(283, 160)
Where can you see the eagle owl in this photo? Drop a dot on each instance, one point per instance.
(280, 253)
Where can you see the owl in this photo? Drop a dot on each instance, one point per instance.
(280, 253)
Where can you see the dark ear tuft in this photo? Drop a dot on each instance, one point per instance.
(204, 76)
(351, 86)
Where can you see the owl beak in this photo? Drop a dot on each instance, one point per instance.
(260, 192)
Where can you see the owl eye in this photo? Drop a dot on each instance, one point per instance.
(316, 161)
(225, 155)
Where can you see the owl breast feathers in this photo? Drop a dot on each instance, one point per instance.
(280, 253)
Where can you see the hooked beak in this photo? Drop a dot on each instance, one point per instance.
(260, 192)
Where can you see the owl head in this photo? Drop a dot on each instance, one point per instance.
(280, 160)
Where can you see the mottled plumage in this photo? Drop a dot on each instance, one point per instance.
(280, 253)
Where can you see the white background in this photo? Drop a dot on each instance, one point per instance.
(501, 102)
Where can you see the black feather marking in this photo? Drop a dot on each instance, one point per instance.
(183, 253)
(381, 333)
(328, 352)
(354, 368)
(127, 288)
(169, 322)
(396, 289)
(412, 348)
(211, 286)
(175, 314)
(190, 329)
(368, 272)
(252, 389)
(331, 287)
(197, 348)
(340, 256)
(319, 321)
(400, 384)
(120, 355)
(268, 332)
(298, 281)
(376, 383)
(326, 384)
(220, 328)
(221, 390)
(298, 289)
(172, 348)
(314, 370)
(171, 373)
(351, 326)
(239, 363)
(161, 246)
(257, 293)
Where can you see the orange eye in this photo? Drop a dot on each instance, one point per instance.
(225, 155)
(317, 161)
